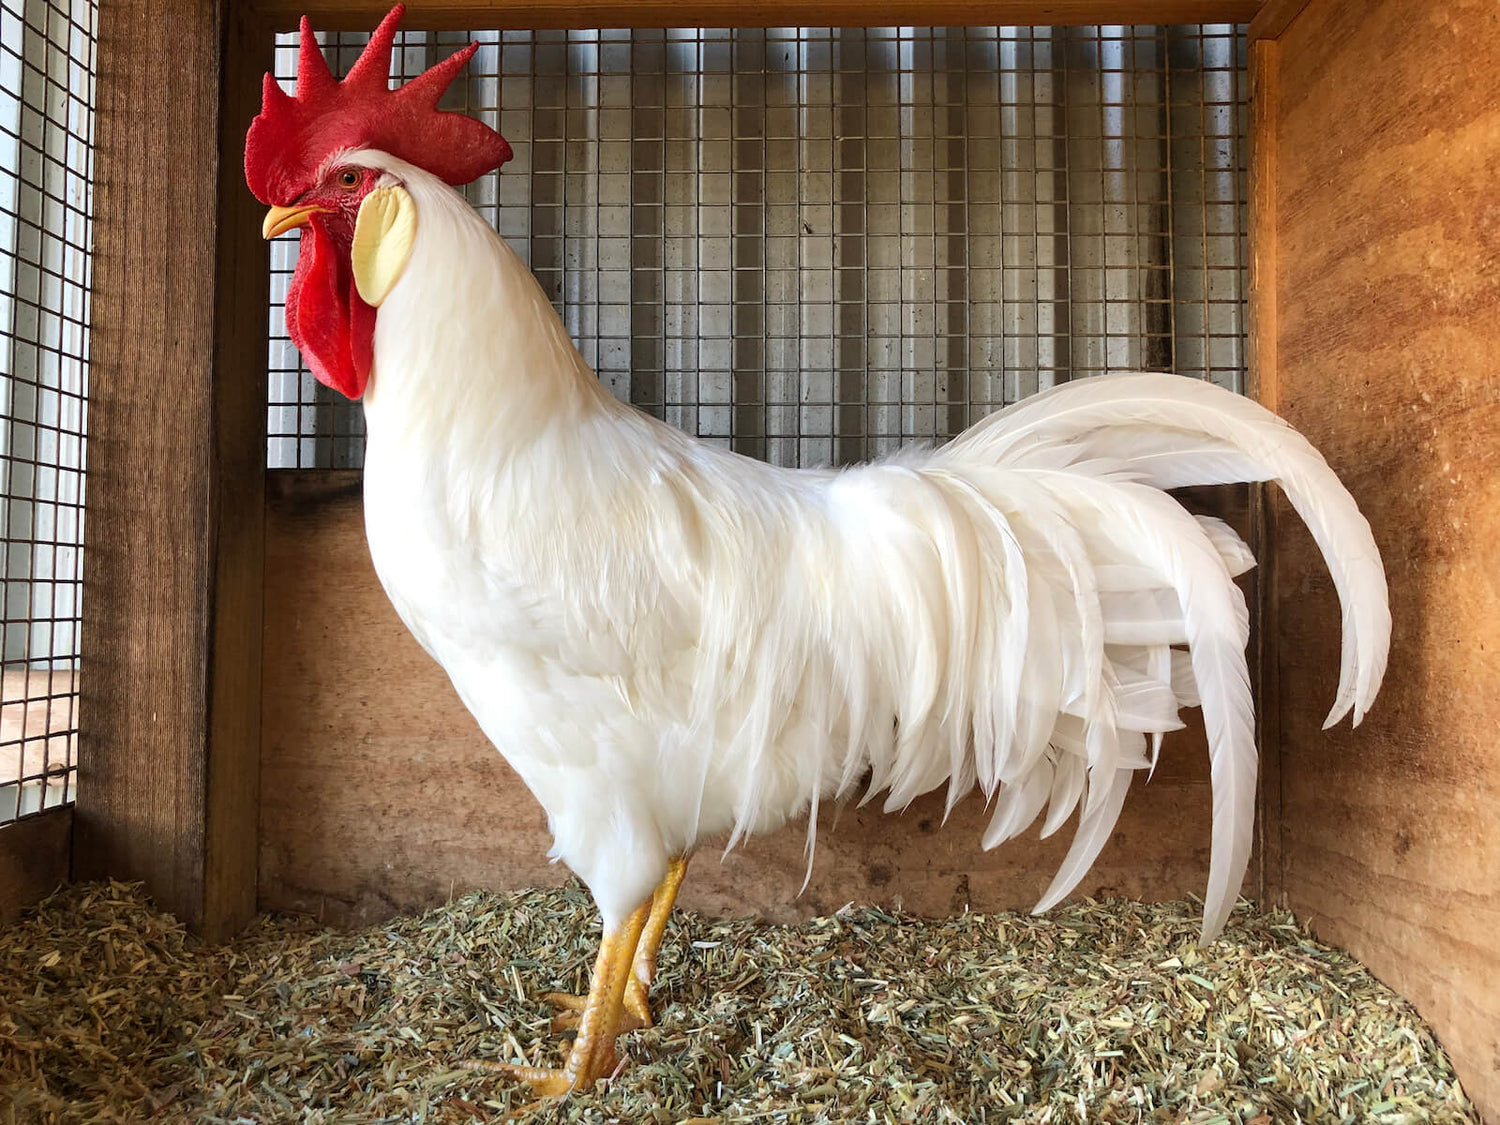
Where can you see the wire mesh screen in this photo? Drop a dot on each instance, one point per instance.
(816, 244)
(46, 131)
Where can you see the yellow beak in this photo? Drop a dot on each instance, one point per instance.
(282, 219)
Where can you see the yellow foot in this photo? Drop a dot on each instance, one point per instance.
(588, 1062)
(636, 1013)
(593, 1054)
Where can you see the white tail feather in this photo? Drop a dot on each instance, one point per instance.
(1002, 613)
(1059, 681)
(1069, 778)
(1180, 432)
(1093, 833)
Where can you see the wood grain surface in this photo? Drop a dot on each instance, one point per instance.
(168, 739)
(1274, 17)
(1387, 305)
(34, 858)
(143, 708)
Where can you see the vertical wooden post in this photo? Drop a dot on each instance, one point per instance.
(1262, 388)
(169, 714)
(241, 299)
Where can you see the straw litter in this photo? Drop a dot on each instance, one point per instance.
(1098, 1012)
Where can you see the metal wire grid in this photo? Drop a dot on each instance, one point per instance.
(46, 154)
(816, 244)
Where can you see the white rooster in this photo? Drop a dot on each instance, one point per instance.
(669, 641)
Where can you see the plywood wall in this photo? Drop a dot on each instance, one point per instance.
(379, 794)
(1385, 297)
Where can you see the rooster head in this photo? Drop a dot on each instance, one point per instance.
(356, 225)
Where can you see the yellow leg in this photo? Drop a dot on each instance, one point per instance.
(593, 1054)
(644, 969)
(637, 1007)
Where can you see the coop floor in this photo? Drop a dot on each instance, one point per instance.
(1098, 1012)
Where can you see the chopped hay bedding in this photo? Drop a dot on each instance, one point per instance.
(1098, 1012)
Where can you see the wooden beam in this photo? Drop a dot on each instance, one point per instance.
(143, 708)
(34, 858)
(1274, 17)
(168, 714)
(334, 15)
(1262, 226)
(238, 413)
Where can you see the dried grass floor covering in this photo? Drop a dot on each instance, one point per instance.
(1101, 1012)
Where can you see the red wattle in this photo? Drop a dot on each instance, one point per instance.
(332, 327)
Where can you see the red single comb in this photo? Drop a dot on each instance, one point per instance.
(292, 136)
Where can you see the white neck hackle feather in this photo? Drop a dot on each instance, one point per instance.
(669, 641)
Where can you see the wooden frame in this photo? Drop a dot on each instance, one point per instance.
(1391, 863)
(436, 15)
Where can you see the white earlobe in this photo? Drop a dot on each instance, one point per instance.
(384, 233)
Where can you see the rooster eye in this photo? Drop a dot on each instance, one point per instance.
(348, 179)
